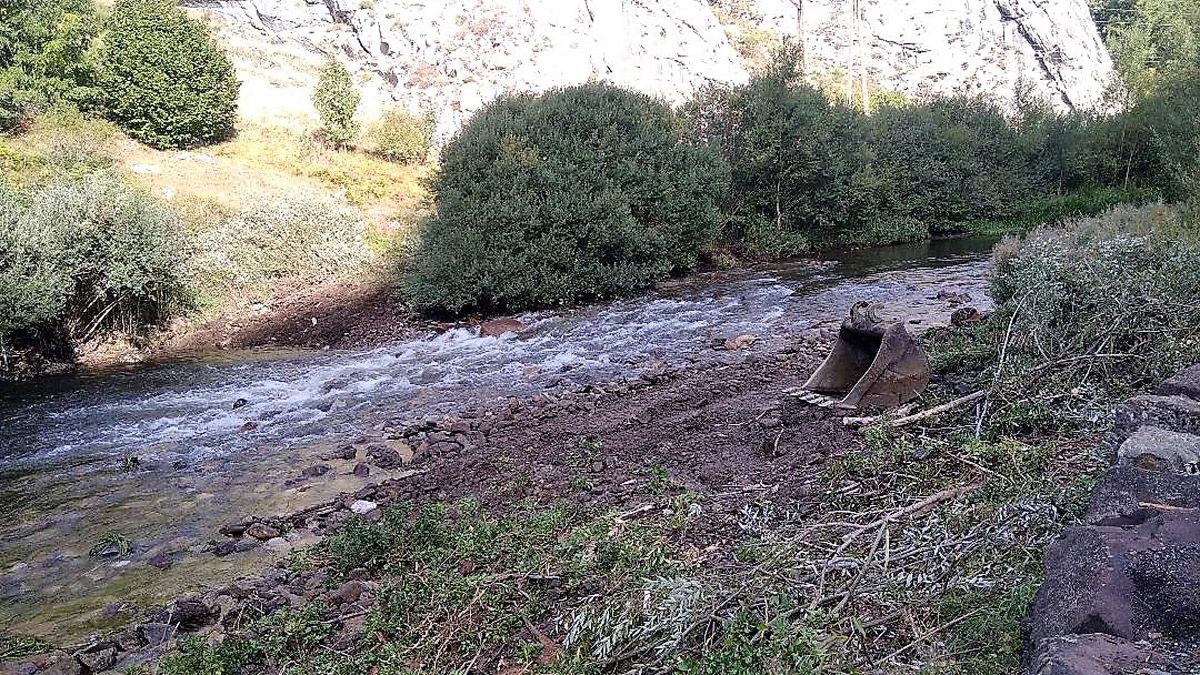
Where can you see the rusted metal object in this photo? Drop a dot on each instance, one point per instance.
(875, 363)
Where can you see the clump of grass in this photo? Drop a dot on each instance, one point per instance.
(110, 543)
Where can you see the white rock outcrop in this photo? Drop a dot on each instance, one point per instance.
(451, 57)
(934, 47)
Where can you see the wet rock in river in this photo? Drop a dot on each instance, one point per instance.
(240, 403)
(498, 327)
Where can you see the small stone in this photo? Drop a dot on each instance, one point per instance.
(740, 342)
(165, 559)
(346, 453)
(98, 659)
(597, 467)
(234, 529)
(262, 532)
(363, 507)
(190, 612)
(316, 470)
(348, 592)
(362, 470)
(241, 402)
(278, 545)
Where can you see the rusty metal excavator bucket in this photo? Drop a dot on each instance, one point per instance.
(875, 364)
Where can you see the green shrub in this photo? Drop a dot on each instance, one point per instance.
(401, 137)
(318, 237)
(34, 284)
(1086, 315)
(336, 99)
(164, 79)
(83, 256)
(579, 193)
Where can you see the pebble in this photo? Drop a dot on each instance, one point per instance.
(363, 507)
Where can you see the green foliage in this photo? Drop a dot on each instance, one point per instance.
(1152, 41)
(748, 647)
(45, 55)
(988, 627)
(84, 255)
(314, 236)
(336, 99)
(1086, 316)
(164, 79)
(579, 193)
(401, 137)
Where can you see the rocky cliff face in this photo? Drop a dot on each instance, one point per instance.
(450, 57)
(918, 47)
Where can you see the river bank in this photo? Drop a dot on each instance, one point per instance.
(163, 455)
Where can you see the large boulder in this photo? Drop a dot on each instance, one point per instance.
(1122, 490)
(1095, 654)
(1132, 581)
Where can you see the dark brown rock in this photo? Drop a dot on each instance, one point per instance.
(262, 532)
(362, 470)
(1185, 383)
(98, 659)
(190, 612)
(1131, 581)
(316, 470)
(385, 457)
(348, 592)
(498, 327)
(1093, 654)
(1122, 489)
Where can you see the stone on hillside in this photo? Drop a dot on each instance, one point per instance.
(98, 658)
(1134, 581)
(1174, 413)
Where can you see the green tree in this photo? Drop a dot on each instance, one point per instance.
(45, 55)
(336, 99)
(1152, 42)
(579, 193)
(164, 79)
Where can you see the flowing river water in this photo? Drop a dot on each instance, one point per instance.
(219, 436)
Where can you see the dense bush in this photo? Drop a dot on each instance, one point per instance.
(314, 236)
(45, 55)
(799, 163)
(164, 79)
(82, 256)
(401, 137)
(579, 193)
(1086, 315)
(336, 99)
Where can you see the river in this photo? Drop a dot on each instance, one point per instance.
(162, 455)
